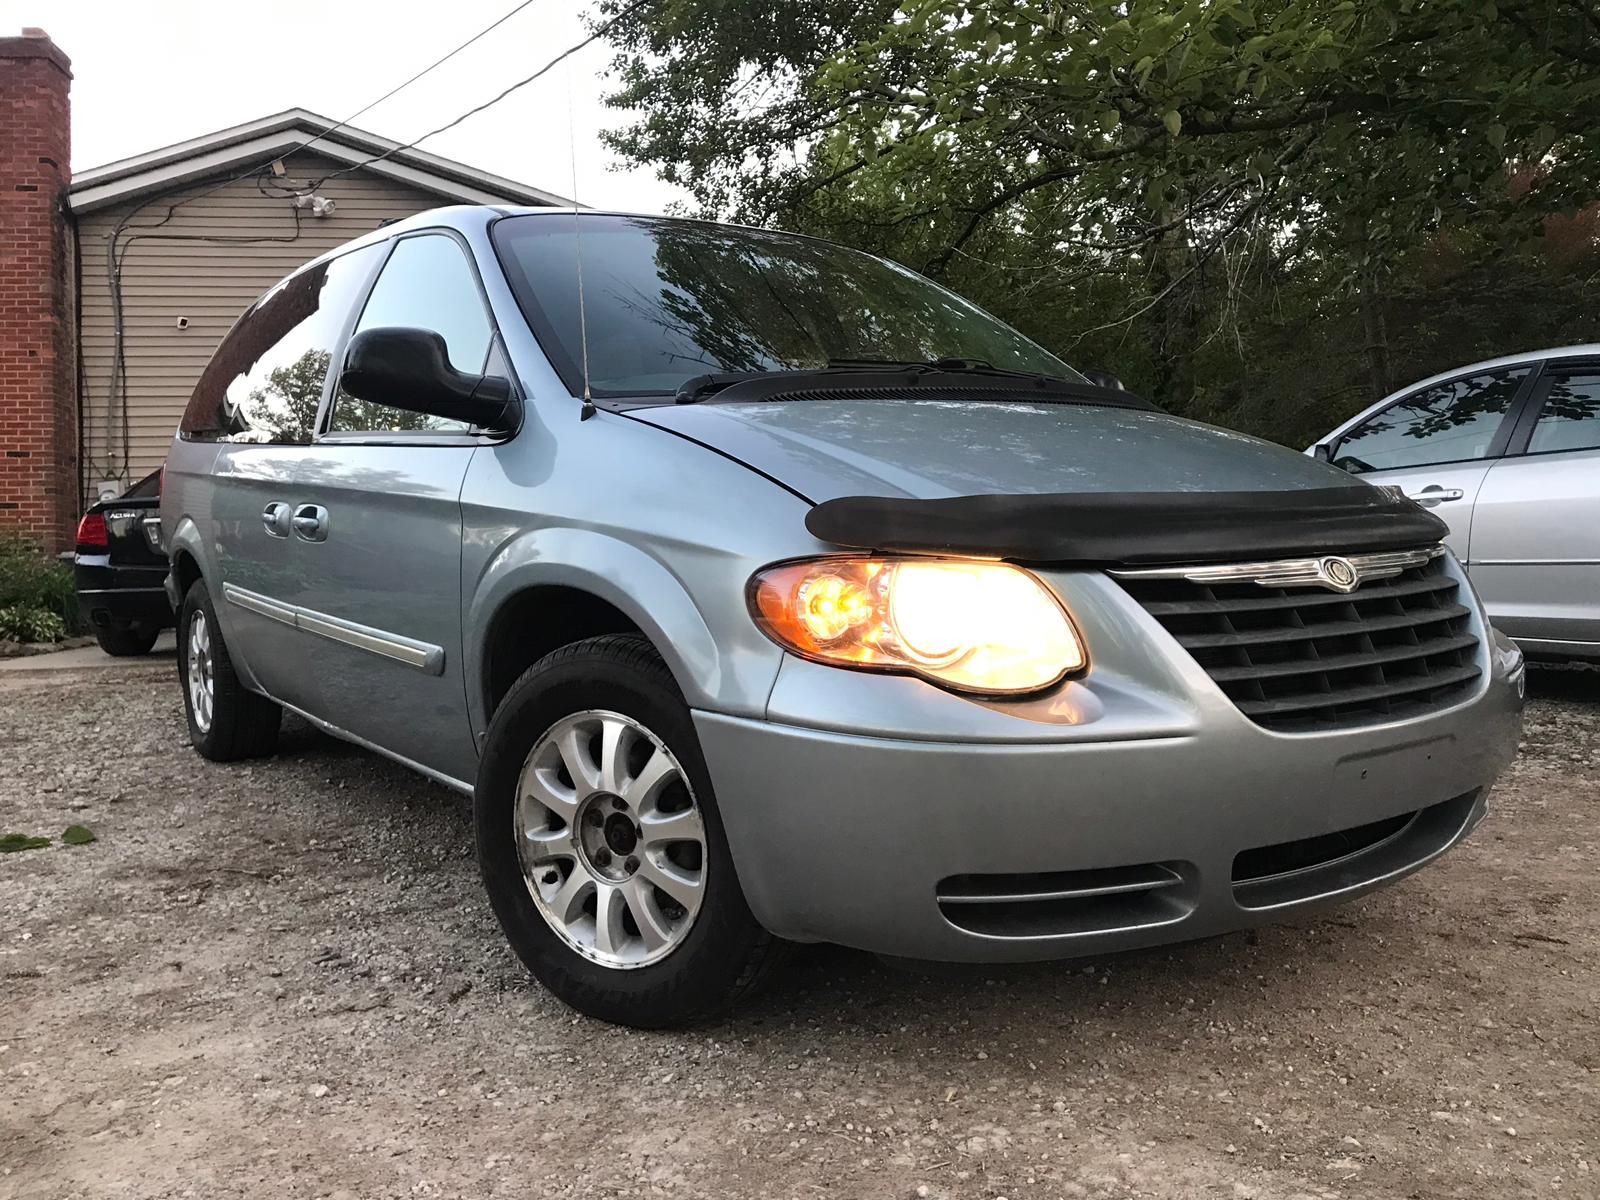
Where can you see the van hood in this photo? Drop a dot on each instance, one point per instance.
(936, 449)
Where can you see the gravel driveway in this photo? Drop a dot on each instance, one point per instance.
(282, 980)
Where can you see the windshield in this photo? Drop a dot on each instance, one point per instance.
(666, 300)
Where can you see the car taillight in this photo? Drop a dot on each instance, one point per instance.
(92, 533)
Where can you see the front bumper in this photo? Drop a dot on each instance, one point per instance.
(1109, 816)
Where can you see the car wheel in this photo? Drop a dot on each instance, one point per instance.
(126, 639)
(226, 720)
(601, 846)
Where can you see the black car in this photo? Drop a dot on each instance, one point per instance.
(118, 568)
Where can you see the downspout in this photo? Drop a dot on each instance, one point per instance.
(77, 353)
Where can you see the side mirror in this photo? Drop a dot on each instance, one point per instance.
(410, 369)
(1105, 379)
(1322, 452)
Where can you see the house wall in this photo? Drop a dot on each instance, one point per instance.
(38, 429)
(170, 270)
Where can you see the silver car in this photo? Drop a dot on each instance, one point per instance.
(1507, 452)
(759, 590)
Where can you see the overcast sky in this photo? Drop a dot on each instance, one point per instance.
(147, 73)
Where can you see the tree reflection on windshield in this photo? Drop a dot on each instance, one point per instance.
(666, 300)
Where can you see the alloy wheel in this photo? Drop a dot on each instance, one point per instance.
(202, 674)
(610, 839)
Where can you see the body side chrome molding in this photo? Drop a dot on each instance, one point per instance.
(1323, 571)
(261, 605)
(422, 656)
(1563, 645)
(1536, 562)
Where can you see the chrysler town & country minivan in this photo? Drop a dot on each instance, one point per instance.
(760, 590)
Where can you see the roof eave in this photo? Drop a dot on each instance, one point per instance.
(262, 141)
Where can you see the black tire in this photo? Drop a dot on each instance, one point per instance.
(725, 955)
(242, 724)
(126, 639)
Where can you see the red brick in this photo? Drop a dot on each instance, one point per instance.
(38, 404)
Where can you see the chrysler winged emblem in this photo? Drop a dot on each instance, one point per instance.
(1338, 574)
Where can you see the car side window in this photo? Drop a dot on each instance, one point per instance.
(1570, 416)
(426, 284)
(265, 382)
(1447, 422)
(150, 485)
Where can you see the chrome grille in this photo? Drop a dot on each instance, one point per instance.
(1296, 655)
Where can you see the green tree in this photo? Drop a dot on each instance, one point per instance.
(1166, 189)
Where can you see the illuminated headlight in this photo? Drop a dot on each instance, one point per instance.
(972, 626)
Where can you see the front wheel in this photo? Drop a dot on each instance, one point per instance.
(601, 846)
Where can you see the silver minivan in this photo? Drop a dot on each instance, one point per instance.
(1507, 452)
(762, 591)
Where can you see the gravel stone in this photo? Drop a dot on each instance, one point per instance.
(243, 939)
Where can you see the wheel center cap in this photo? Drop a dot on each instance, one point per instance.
(608, 838)
(621, 836)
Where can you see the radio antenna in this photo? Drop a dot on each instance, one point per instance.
(588, 409)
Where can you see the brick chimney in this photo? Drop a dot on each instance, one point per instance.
(39, 487)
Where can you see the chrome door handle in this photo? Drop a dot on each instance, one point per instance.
(1434, 494)
(275, 519)
(311, 523)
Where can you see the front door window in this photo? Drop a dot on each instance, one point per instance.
(1446, 422)
(426, 284)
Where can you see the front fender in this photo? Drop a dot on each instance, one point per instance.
(732, 674)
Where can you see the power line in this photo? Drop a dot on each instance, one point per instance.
(114, 258)
(262, 166)
(425, 70)
(599, 32)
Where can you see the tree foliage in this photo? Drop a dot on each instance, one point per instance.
(1264, 211)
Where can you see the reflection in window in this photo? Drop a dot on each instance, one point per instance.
(150, 485)
(265, 382)
(666, 300)
(426, 284)
(1449, 422)
(1570, 418)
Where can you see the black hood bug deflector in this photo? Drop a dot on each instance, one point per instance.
(1133, 528)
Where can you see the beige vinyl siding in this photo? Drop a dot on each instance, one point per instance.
(210, 283)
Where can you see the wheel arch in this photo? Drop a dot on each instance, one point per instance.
(185, 553)
(549, 587)
(535, 621)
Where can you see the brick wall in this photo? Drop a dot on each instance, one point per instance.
(39, 489)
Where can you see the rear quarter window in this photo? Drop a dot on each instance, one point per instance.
(265, 382)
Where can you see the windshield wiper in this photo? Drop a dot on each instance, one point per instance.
(966, 366)
(700, 386)
(860, 370)
(691, 391)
